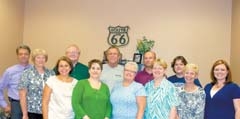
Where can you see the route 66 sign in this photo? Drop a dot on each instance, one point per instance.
(118, 36)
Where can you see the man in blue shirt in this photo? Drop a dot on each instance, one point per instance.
(10, 80)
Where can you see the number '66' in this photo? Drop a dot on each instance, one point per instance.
(120, 40)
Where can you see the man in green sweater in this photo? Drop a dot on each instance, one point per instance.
(79, 71)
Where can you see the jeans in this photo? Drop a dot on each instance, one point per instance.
(16, 112)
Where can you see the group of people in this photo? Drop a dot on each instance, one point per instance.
(72, 90)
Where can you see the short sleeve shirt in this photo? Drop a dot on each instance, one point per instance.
(34, 82)
(160, 99)
(123, 100)
(191, 103)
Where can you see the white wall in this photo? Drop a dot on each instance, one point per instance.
(11, 31)
(198, 29)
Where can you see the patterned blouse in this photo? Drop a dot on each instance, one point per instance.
(34, 83)
(160, 99)
(191, 104)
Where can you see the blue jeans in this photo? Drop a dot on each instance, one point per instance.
(16, 112)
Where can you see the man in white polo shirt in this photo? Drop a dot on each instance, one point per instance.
(112, 72)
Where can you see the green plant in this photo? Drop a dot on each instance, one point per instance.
(144, 45)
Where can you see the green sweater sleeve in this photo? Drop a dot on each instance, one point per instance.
(109, 105)
(77, 100)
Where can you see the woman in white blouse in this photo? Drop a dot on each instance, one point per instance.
(57, 92)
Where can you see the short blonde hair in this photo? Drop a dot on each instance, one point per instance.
(191, 66)
(37, 52)
(132, 66)
(161, 62)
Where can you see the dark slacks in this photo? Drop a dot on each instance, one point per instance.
(34, 116)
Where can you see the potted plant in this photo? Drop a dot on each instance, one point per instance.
(144, 45)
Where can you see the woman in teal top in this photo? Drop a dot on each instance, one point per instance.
(161, 94)
(90, 98)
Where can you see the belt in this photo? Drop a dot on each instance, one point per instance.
(12, 100)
